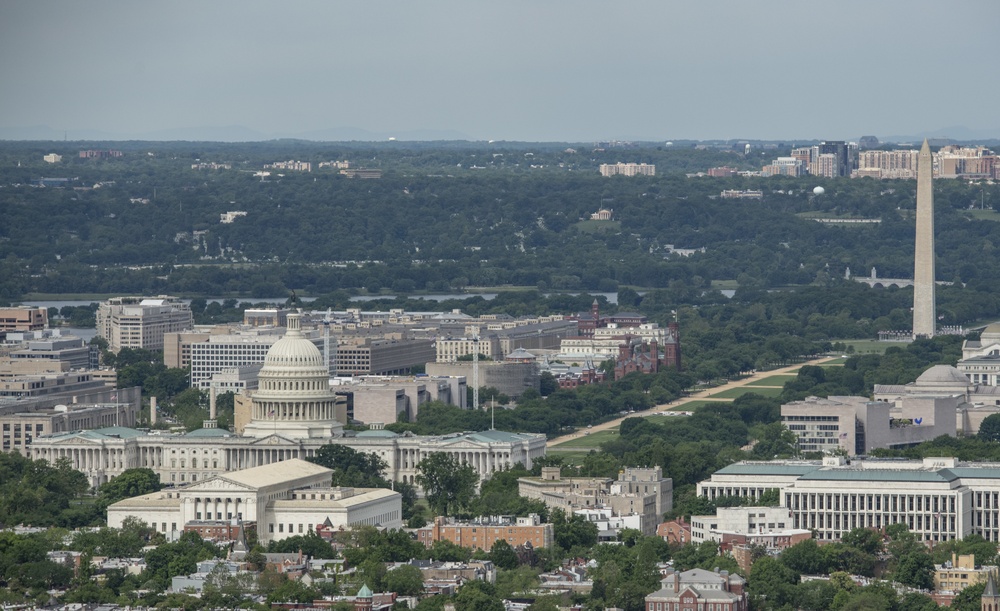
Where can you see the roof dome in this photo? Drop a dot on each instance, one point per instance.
(943, 374)
(293, 350)
(992, 329)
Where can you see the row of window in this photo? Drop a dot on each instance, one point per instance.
(871, 502)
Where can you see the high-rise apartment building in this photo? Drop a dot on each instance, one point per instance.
(141, 322)
(628, 169)
(887, 164)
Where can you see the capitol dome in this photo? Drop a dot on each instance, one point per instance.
(293, 398)
(293, 352)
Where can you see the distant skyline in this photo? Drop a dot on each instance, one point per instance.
(515, 70)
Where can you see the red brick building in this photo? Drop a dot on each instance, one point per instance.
(483, 533)
(697, 589)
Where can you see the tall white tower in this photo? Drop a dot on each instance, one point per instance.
(924, 306)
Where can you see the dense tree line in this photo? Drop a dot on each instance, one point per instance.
(506, 225)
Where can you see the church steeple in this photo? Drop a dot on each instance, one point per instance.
(990, 600)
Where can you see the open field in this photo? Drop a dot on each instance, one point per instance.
(569, 457)
(733, 393)
(593, 440)
(772, 381)
(983, 215)
(590, 226)
(867, 346)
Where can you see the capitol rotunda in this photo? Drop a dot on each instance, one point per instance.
(294, 397)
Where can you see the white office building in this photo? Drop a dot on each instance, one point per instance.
(141, 322)
(285, 500)
(939, 499)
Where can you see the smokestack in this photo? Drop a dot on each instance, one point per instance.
(152, 411)
(211, 403)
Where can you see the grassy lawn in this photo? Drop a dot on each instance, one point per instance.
(984, 215)
(834, 363)
(590, 226)
(572, 457)
(773, 381)
(594, 440)
(733, 393)
(868, 346)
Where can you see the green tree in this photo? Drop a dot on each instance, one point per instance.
(478, 596)
(405, 580)
(989, 430)
(572, 531)
(865, 539)
(773, 582)
(969, 599)
(131, 482)
(448, 483)
(915, 569)
(503, 555)
(310, 544)
(805, 557)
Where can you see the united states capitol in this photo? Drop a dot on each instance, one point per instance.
(292, 414)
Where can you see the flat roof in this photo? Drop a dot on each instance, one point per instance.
(875, 475)
(763, 468)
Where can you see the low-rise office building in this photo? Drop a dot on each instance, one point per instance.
(939, 499)
(637, 491)
(857, 425)
(483, 532)
(19, 429)
(23, 319)
(959, 573)
(287, 499)
(508, 377)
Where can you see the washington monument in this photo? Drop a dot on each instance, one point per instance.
(924, 308)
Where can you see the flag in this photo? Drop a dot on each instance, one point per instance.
(270, 413)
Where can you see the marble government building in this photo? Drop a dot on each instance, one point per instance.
(291, 415)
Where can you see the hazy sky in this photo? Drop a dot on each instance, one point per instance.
(537, 70)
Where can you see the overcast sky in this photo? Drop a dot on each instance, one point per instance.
(531, 70)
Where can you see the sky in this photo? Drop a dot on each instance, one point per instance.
(528, 70)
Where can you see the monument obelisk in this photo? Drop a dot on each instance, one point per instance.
(924, 308)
